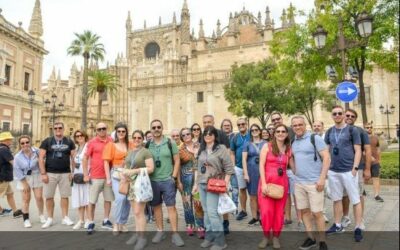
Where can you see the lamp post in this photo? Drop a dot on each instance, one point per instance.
(52, 107)
(31, 95)
(388, 111)
(363, 25)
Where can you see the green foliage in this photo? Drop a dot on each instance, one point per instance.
(390, 165)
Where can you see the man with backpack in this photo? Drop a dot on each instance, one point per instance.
(164, 181)
(311, 165)
(345, 150)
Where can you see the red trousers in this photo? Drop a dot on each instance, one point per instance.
(272, 211)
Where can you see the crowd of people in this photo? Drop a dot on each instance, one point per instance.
(270, 166)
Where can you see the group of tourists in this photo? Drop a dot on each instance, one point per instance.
(270, 166)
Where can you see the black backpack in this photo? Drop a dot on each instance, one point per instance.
(169, 146)
(312, 140)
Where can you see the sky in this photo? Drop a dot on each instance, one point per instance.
(62, 18)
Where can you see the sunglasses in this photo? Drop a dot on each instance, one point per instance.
(208, 134)
(350, 116)
(270, 129)
(280, 131)
(101, 129)
(76, 136)
(241, 124)
(276, 119)
(137, 138)
(184, 135)
(175, 136)
(121, 131)
(337, 113)
(23, 143)
(255, 130)
(368, 127)
(58, 128)
(155, 127)
(195, 129)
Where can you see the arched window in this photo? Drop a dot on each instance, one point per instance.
(151, 50)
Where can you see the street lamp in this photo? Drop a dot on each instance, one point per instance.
(31, 95)
(388, 111)
(53, 108)
(363, 26)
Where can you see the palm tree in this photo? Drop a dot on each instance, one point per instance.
(87, 45)
(102, 83)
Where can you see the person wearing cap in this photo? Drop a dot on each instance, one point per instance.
(6, 174)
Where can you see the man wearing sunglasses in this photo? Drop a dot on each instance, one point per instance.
(164, 181)
(237, 143)
(96, 174)
(345, 150)
(56, 168)
(364, 169)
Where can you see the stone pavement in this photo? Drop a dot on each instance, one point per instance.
(381, 219)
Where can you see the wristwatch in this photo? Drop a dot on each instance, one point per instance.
(356, 168)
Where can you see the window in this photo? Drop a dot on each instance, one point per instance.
(367, 96)
(7, 75)
(25, 128)
(26, 81)
(152, 50)
(6, 126)
(200, 96)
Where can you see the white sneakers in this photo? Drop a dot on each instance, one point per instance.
(48, 223)
(86, 224)
(27, 224)
(78, 225)
(42, 219)
(67, 221)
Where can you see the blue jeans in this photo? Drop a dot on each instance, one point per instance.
(212, 220)
(121, 203)
(235, 190)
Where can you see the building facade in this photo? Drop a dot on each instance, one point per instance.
(21, 63)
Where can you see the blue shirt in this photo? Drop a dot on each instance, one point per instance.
(253, 151)
(237, 144)
(308, 171)
(364, 141)
(22, 164)
(341, 141)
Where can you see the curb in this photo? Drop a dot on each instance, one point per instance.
(386, 182)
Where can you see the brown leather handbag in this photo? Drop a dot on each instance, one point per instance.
(275, 191)
(124, 187)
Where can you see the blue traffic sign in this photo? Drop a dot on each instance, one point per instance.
(346, 91)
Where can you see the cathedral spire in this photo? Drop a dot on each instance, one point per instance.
(174, 19)
(219, 32)
(201, 30)
(290, 15)
(35, 26)
(128, 24)
(283, 19)
(268, 21)
(185, 6)
(159, 21)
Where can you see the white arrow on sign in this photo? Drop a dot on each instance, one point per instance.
(347, 91)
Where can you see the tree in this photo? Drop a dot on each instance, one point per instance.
(362, 53)
(254, 92)
(300, 68)
(87, 45)
(101, 83)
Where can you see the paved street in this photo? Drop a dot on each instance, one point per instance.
(381, 219)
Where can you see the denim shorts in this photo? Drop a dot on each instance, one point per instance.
(163, 191)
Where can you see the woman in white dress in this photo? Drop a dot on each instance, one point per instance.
(80, 190)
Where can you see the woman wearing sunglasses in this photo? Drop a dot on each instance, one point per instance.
(196, 131)
(80, 192)
(214, 160)
(251, 171)
(26, 171)
(274, 158)
(114, 157)
(137, 158)
(187, 154)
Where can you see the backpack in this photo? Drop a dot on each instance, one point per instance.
(312, 140)
(169, 146)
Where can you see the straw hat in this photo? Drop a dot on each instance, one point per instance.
(6, 136)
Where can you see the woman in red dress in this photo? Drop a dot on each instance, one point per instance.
(274, 158)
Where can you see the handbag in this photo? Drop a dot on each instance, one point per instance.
(124, 187)
(78, 178)
(216, 185)
(142, 188)
(225, 204)
(185, 155)
(275, 191)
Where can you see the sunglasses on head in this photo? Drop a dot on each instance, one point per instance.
(337, 113)
(195, 129)
(350, 116)
(101, 129)
(58, 128)
(24, 142)
(155, 127)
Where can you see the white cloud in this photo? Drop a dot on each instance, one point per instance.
(61, 18)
